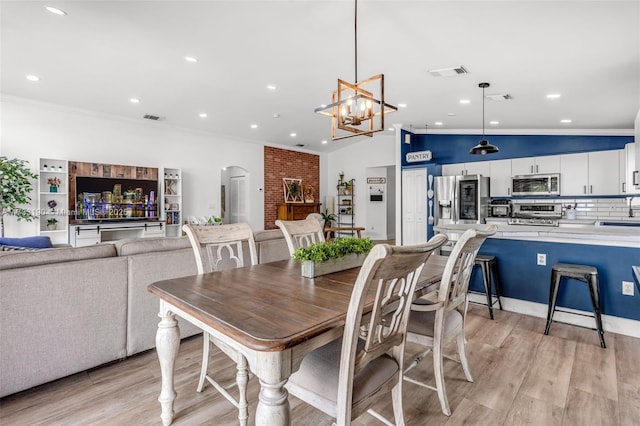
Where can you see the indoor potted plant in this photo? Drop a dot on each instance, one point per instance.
(15, 185)
(330, 256)
(52, 223)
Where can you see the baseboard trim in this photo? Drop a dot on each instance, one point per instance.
(625, 326)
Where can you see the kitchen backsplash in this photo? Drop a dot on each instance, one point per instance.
(594, 208)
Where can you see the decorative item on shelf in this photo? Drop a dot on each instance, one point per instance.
(54, 183)
(309, 193)
(175, 206)
(45, 168)
(169, 187)
(60, 169)
(292, 190)
(483, 147)
(52, 224)
(345, 187)
(52, 204)
(167, 205)
(214, 220)
(357, 104)
(331, 256)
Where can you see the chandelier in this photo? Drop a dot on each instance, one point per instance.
(357, 109)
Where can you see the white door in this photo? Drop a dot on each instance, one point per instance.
(414, 206)
(238, 209)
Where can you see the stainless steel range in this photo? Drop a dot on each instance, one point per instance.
(536, 214)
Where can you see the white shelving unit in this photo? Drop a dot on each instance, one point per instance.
(53, 204)
(345, 208)
(171, 202)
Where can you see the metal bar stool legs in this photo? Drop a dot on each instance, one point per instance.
(586, 274)
(489, 267)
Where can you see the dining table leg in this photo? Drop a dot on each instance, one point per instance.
(273, 403)
(167, 345)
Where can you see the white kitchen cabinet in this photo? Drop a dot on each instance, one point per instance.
(535, 165)
(500, 182)
(593, 173)
(622, 172)
(476, 168)
(628, 166)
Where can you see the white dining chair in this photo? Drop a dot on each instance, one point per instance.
(348, 376)
(218, 248)
(433, 323)
(301, 233)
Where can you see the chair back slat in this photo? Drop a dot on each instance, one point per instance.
(457, 272)
(301, 233)
(221, 246)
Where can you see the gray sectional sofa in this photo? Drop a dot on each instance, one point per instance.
(66, 310)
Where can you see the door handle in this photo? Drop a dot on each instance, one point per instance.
(635, 176)
(584, 189)
(624, 186)
(531, 168)
(590, 189)
(537, 169)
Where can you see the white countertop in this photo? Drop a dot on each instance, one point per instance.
(574, 233)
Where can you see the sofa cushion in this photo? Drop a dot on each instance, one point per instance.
(40, 241)
(133, 246)
(17, 248)
(60, 255)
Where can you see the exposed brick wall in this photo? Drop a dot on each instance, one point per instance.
(282, 163)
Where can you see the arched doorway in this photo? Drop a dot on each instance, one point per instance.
(234, 195)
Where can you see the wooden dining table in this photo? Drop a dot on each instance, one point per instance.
(268, 312)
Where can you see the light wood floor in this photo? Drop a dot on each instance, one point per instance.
(521, 378)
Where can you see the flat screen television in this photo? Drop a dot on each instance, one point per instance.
(115, 199)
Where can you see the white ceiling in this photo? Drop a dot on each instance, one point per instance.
(102, 53)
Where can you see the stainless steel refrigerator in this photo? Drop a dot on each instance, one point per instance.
(461, 199)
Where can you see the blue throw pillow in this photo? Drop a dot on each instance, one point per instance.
(31, 242)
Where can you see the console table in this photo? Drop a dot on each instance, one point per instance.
(81, 235)
(297, 211)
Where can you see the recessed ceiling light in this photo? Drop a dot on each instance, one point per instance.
(55, 10)
(494, 122)
(293, 135)
(276, 115)
(271, 87)
(438, 123)
(402, 105)
(391, 129)
(553, 95)
(32, 77)
(191, 59)
(254, 126)
(565, 120)
(451, 114)
(324, 142)
(134, 100)
(203, 115)
(465, 101)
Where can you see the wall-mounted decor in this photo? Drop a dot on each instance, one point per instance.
(292, 190)
(309, 193)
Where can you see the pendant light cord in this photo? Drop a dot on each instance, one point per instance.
(483, 113)
(355, 32)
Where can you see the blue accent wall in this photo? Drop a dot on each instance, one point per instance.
(450, 149)
(522, 279)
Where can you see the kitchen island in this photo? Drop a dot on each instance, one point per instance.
(613, 250)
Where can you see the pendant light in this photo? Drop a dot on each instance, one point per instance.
(483, 147)
(359, 108)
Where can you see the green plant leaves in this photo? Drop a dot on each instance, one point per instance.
(333, 249)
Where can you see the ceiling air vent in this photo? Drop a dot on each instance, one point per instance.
(499, 97)
(449, 72)
(300, 145)
(153, 117)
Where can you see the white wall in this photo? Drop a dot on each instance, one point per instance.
(354, 160)
(29, 130)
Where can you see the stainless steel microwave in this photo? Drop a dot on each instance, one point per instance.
(540, 185)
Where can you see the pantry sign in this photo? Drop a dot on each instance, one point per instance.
(416, 157)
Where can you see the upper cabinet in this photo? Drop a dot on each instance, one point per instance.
(53, 193)
(593, 173)
(629, 169)
(476, 168)
(500, 182)
(535, 165)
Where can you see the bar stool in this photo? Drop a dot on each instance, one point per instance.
(586, 274)
(489, 267)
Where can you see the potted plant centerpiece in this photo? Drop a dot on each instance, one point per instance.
(52, 223)
(332, 256)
